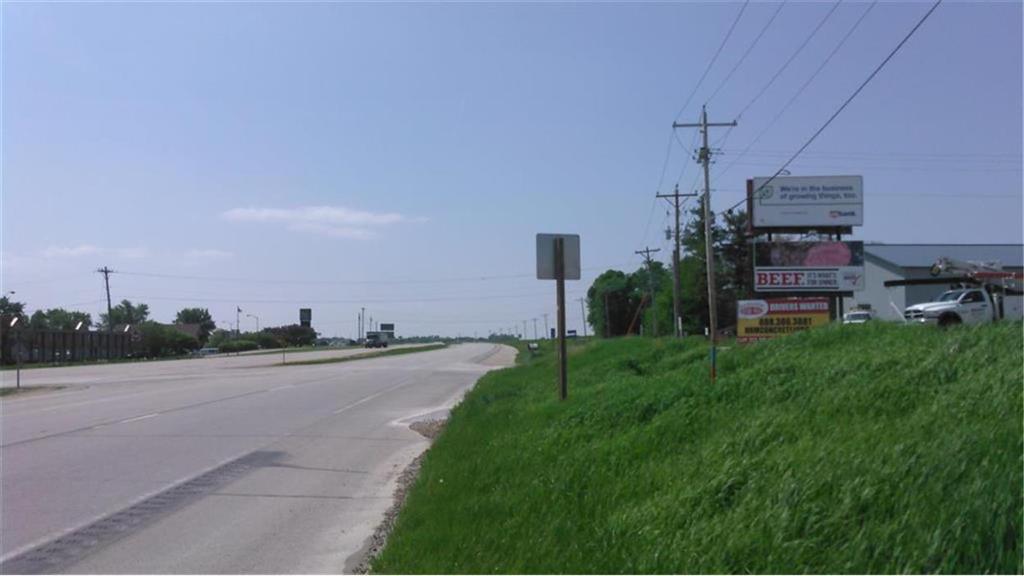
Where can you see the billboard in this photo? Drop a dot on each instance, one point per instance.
(306, 317)
(807, 202)
(808, 266)
(767, 319)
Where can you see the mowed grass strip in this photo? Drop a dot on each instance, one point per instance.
(374, 354)
(870, 449)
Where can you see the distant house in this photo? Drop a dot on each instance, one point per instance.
(884, 262)
(193, 330)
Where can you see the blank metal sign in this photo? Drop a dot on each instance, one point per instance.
(546, 256)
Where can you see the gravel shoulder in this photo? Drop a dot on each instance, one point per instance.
(360, 563)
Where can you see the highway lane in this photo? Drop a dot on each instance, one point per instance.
(218, 465)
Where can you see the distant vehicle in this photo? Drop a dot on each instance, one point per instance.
(376, 340)
(857, 317)
(207, 351)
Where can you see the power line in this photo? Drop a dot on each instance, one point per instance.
(790, 59)
(800, 91)
(924, 156)
(345, 282)
(782, 69)
(668, 154)
(856, 92)
(746, 53)
(711, 63)
(851, 97)
(336, 301)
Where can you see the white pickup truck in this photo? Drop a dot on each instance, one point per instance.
(966, 306)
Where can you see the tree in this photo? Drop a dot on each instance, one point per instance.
(293, 335)
(125, 313)
(737, 281)
(59, 319)
(608, 302)
(200, 316)
(9, 308)
(695, 291)
(160, 340)
(38, 321)
(219, 337)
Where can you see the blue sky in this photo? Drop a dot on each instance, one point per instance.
(403, 156)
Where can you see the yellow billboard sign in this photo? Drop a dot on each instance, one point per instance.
(767, 319)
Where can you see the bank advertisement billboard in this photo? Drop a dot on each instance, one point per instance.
(809, 266)
(807, 202)
(771, 318)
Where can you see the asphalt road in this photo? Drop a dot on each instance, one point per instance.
(216, 465)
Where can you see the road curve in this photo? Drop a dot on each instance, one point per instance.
(215, 466)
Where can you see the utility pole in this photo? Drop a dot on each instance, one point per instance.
(362, 320)
(106, 280)
(534, 328)
(650, 279)
(677, 316)
(524, 330)
(238, 321)
(546, 331)
(704, 157)
(110, 317)
(583, 313)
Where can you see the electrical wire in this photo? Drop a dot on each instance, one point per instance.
(344, 282)
(711, 63)
(802, 88)
(851, 97)
(746, 53)
(778, 73)
(789, 61)
(855, 93)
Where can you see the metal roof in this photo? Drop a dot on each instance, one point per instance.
(924, 255)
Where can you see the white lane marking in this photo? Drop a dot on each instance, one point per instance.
(371, 397)
(137, 418)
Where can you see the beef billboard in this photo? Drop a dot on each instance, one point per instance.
(808, 266)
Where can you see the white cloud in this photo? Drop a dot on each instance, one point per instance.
(70, 251)
(55, 252)
(333, 221)
(131, 253)
(207, 254)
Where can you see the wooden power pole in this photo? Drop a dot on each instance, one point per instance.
(677, 314)
(704, 158)
(650, 281)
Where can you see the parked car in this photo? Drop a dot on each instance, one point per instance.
(857, 317)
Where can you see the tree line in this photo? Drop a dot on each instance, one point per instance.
(156, 339)
(619, 303)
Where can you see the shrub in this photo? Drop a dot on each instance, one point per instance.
(238, 346)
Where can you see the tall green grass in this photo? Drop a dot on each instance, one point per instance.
(873, 448)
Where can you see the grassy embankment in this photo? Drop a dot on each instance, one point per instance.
(875, 448)
(372, 354)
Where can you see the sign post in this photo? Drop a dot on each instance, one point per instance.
(558, 259)
(563, 384)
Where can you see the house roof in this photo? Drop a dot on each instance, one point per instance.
(924, 255)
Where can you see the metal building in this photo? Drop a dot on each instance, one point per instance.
(884, 262)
